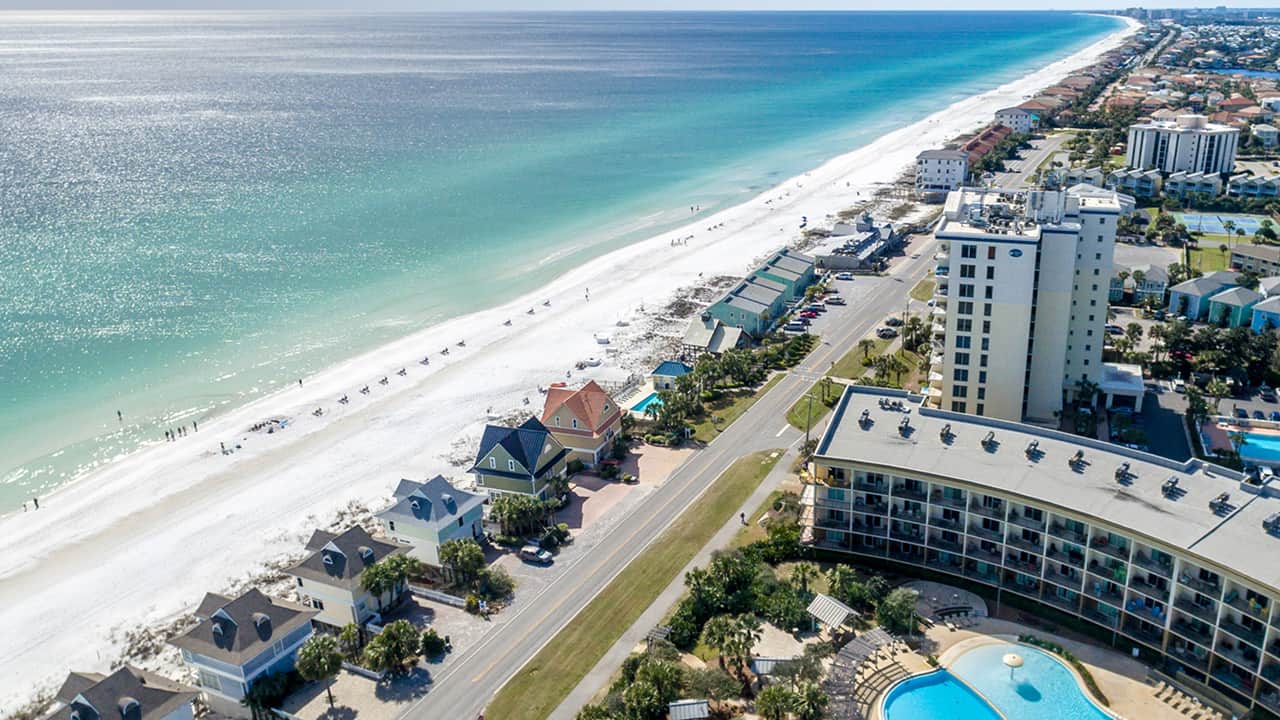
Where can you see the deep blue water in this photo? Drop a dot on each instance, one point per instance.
(197, 208)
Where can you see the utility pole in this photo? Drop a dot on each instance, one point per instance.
(808, 419)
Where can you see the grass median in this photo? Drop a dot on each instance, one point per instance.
(729, 407)
(546, 680)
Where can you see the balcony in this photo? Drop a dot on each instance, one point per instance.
(976, 530)
(1274, 647)
(1253, 637)
(1022, 584)
(1271, 672)
(1032, 567)
(941, 499)
(909, 493)
(873, 508)
(1074, 582)
(1115, 573)
(1022, 520)
(829, 523)
(1070, 558)
(1095, 587)
(1104, 619)
(875, 486)
(1150, 590)
(1189, 658)
(909, 534)
(938, 521)
(1206, 614)
(1198, 634)
(1250, 608)
(1270, 700)
(952, 564)
(1071, 605)
(1062, 531)
(1120, 552)
(1212, 589)
(1015, 539)
(996, 512)
(1145, 561)
(902, 513)
(1149, 633)
(912, 555)
(987, 576)
(937, 541)
(1246, 660)
(976, 552)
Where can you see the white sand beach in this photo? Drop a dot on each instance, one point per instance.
(140, 540)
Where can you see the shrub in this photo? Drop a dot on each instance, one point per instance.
(472, 604)
(495, 583)
(575, 466)
(432, 645)
(609, 472)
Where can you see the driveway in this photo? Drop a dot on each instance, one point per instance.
(1127, 255)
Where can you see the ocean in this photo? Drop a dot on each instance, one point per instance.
(199, 208)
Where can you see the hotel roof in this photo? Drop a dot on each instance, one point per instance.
(1230, 537)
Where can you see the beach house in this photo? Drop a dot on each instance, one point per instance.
(707, 334)
(237, 642)
(1249, 186)
(1190, 297)
(127, 693)
(522, 460)
(426, 515)
(328, 579)
(756, 303)
(1233, 307)
(664, 376)
(585, 421)
(1266, 315)
(1145, 281)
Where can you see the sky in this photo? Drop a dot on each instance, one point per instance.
(492, 5)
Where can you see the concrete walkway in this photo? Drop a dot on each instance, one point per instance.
(599, 676)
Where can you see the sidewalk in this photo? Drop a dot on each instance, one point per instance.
(599, 676)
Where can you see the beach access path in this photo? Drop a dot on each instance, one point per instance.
(463, 690)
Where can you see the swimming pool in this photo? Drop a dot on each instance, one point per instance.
(1042, 689)
(650, 399)
(1261, 448)
(935, 695)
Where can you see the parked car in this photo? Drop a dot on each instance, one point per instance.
(844, 276)
(1242, 413)
(1275, 416)
(535, 554)
(794, 327)
(1259, 415)
(809, 314)
(1115, 330)
(1268, 393)
(893, 321)
(1179, 386)
(835, 300)
(885, 333)
(1160, 315)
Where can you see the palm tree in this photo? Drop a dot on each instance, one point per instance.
(802, 574)
(809, 702)
(866, 345)
(349, 641)
(774, 702)
(717, 634)
(376, 581)
(746, 633)
(840, 579)
(1217, 389)
(320, 659)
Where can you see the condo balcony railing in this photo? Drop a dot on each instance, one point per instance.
(1249, 606)
(1145, 560)
(937, 497)
(1016, 540)
(1120, 552)
(864, 528)
(1270, 700)
(1192, 659)
(987, 575)
(1071, 558)
(1186, 605)
(1104, 619)
(1271, 671)
(975, 551)
(1212, 589)
(950, 564)
(1073, 581)
(1095, 587)
(977, 530)
(908, 533)
(908, 492)
(1062, 531)
(1147, 633)
(1152, 591)
(871, 508)
(1022, 584)
(940, 522)
(1196, 633)
(940, 543)
(908, 556)
(1245, 659)
(996, 511)
(1253, 637)
(1030, 567)
(1022, 520)
(1114, 573)
(875, 486)
(1071, 605)
(903, 513)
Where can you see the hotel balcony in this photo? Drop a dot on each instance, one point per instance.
(904, 513)
(996, 512)
(1062, 531)
(908, 533)
(976, 552)
(1071, 558)
(937, 541)
(1071, 605)
(1145, 561)
(1246, 659)
(1212, 589)
(1074, 581)
(1151, 591)
(976, 530)
(1103, 618)
(1012, 561)
(937, 497)
(1274, 647)
(1270, 700)
(1015, 539)
(1253, 637)
(1199, 634)
(867, 485)
(911, 554)
(938, 521)
(1271, 672)
(1155, 615)
(987, 575)
(1120, 552)
(1251, 608)
(1022, 584)
(1189, 658)
(950, 563)
(830, 523)
(1096, 587)
(861, 527)
(1147, 633)
(871, 508)
(1021, 520)
(907, 492)
(1114, 573)
(1206, 614)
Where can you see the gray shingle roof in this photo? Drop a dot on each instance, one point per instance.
(1205, 284)
(339, 560)
(236, 631)
(1237, 296)
(434, 502)
(126, 694)
(524, 444)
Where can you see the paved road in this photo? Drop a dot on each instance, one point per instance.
(467, 684)
(1018, 172)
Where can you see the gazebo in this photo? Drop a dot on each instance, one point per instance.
(689, 710)
(830, 612)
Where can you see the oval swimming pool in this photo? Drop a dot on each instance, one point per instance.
(1042, 689)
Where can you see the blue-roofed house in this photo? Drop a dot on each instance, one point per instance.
(426, 515)
(522, 460)
(1266, 315)
(664, 376)
(1191, 297)
(1233, 307)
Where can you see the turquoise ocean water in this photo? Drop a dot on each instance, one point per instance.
(196, 209)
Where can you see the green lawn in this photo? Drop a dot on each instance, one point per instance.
(547, 679)
(1208, 257)
(729, 407)
(805, 414)
(851, 365)
(924, 289)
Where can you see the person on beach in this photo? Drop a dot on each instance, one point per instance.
(299, 382)
(24, 507)
(37, 502)
(195, 426)
(119, 416)
(224, 447)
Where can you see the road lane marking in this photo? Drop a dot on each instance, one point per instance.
(784, 429)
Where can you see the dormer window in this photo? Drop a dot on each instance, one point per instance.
(575, 423)
(493, 463)
(366, 554)
(511, 465)
(414, 504)
(557, 419)
(328, 559)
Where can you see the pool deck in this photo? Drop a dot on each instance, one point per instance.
(1124, 680)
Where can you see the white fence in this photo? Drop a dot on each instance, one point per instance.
(439, 597)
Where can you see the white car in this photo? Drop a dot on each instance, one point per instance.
(844, 276)
(1179, 386)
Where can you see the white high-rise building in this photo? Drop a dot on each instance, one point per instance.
(1189, 144)
(940, 171)
(1023, 278)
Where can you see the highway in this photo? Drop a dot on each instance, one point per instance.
(465, 686)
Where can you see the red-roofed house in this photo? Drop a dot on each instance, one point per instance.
(585, 420)
(1235, 103)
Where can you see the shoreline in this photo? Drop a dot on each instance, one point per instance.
(128, 525)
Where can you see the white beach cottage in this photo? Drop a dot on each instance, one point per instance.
(426, 515)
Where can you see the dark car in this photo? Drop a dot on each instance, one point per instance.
(893, 321)
(1258, 415)
(885, 333)
(1242, 414)
(1275, 416)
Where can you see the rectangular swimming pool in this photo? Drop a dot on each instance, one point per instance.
(650, 399)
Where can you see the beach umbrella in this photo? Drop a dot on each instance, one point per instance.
(1013, 660)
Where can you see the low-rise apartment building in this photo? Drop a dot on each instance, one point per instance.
(940, 171)
(1176, 559)
(1138, 183)
(1250, 186)
(1258, 259)
(1181, 184)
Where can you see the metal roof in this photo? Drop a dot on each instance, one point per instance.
(830, 611)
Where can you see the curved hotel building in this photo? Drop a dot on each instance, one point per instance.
(1181, 560)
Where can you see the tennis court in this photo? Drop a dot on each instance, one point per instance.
(1216, 224)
